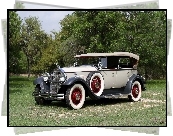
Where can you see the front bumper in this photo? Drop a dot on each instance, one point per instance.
(48, 95)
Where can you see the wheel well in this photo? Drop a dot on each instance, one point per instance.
(142, 85)
(38, 86)
(84, 86)
(64, 87)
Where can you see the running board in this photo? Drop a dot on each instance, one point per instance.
(114, 96)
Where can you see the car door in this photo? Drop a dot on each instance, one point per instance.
(109, 78)
(123, 72)
(122, 76)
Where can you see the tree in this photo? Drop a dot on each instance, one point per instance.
(19, 5)
(140, 32)
(14, 37)
(33, 39)
(48, 57)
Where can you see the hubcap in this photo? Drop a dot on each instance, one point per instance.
(135, 91)
(76, 96)
(96, 84)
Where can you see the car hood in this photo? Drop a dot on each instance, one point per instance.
(79, 69)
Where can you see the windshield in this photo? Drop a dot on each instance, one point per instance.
(87, 61)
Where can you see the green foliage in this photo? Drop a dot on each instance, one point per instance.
(48, 57)
(33, 40)
(19, 5)
(139, 32)
(14, 37)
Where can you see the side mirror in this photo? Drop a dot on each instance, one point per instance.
(99, 65)
(119, 67)
(74, 64)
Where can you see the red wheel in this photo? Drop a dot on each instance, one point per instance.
(75, 96)
(135, 91)
(96, 83)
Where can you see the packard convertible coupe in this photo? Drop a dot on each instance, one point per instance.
(94, 75)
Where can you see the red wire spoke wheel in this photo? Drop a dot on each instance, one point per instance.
(136, 92)
(96, 82)
(75, 96)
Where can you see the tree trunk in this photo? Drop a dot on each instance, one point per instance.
(28, 67)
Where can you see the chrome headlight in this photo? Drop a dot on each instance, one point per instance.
(62, 79)
(63, 76)
(45, 78)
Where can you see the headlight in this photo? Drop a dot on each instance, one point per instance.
(62, 79)
(45, 78)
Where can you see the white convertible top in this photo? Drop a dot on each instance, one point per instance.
(108, 54)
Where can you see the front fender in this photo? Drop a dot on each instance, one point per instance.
(43, 86)
(74, 80)
(131, 80)
(38, 81)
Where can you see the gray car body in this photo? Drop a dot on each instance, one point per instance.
(117, 80)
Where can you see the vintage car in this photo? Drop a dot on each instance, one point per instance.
(114, 75)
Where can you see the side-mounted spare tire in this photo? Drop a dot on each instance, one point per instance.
(95, 81)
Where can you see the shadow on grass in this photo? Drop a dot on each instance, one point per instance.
(21, 79)
(151, 82)
(89, 102)
(17, 86)
(18, 78)
(105, 101)
(16, 90)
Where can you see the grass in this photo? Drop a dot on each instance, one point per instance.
(150, 111)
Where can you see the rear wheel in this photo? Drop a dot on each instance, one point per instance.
(75, 96)
(135, 92)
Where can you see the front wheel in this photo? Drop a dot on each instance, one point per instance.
(135, 92)
(75, 96)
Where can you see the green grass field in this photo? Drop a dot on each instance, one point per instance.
(150, 111)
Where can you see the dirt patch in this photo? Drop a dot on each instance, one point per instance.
(150, 100)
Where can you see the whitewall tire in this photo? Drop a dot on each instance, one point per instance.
(75, 96)
(96, 83)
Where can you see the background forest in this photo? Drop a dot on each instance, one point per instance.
(32, 50)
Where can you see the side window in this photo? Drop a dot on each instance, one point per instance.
(104, 62)
(125, 63)
(112, 62)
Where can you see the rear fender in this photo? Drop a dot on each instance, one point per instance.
(133, 78)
